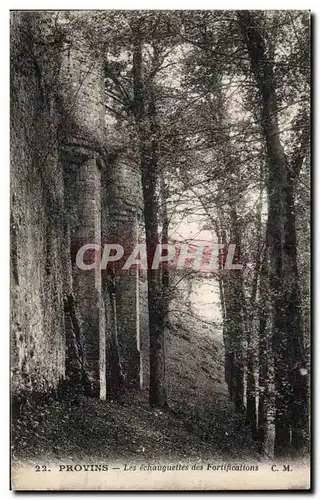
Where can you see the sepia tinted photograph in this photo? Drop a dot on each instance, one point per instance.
(160, 240)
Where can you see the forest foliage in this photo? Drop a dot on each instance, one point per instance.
(214, 108)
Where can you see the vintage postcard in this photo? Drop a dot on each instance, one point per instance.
(160, 249)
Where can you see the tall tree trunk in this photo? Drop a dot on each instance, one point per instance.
(294, 328)
(286, 321)
(251, 412)
(165, 273)
(145, 116)
(252, 320)
(235, 317)
(224, 287)
(265, 437)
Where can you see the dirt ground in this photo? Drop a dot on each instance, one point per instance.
(199, 423)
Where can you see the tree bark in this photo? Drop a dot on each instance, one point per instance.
(145, 116)
(290, 387)
(235, 320)
(265, 356)
(294, 327)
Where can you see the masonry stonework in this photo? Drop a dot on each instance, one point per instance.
(82, 135)
(124, 210)
(39, 264)
(65, 191)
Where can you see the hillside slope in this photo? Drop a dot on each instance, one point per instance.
(199, 423)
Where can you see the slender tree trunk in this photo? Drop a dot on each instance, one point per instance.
(238, 308)
(220, 276)
(236, 317)
(286, 321)
(294, 327)
(234, 296)
(251, 412)
(252, 319)
(165, 272)
(264, 356)
(227, 328)
(156, 313)
(145, 115)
